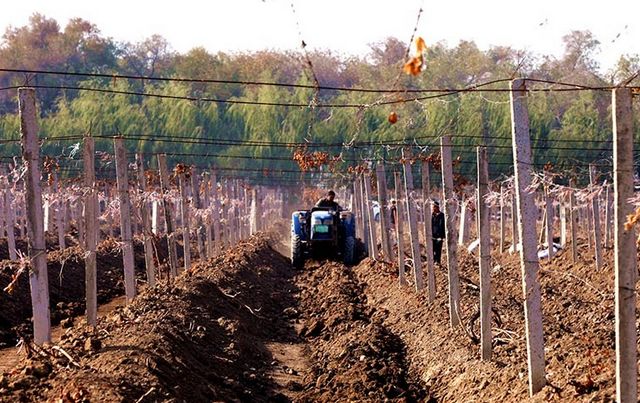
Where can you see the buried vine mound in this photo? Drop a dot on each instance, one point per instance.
(246, 326)
(66, 274)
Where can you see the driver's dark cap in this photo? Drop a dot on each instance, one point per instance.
(331, 193)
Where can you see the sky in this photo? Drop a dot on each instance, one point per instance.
(348, 26)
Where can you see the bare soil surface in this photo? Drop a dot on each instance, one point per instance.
(246, 326)
(578, 309)
(66, 274)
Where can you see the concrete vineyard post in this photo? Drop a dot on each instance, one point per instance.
(484, 258)
(607, 217)
(184, 217)
(428, 234)
(146, 223)
(23, 213)
(91, 229)
(59, 210)
(208, 220)
(9, 217)
(112, 194)
(515, 236)
(450, 230)
(37, 252)
(548, 217)
(76, 210)
(365, 217)
(543, 226)
(155, 217)
(125, 218)
(527, 212)
(254, 211)
(595, 209)
(47, 195)
(414, 237)
(357, 193)
(586, 212)
(385, 222)
(197, 206)
(231, 218)
(399, 220)
(3, 219)
(563, 224)
(625, 252)
(573, 223)
(217, 245)
(463, 231)
(373, 243)
(225, 214)
(502, 219)
(168, 215)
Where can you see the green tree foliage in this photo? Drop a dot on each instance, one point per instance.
(566, 127)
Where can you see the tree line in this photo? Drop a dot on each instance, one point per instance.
(568, 129)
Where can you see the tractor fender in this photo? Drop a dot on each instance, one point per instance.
(298, 226)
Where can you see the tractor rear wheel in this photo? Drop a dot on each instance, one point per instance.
(297, 254)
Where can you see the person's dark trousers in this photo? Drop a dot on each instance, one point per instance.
(437, 250)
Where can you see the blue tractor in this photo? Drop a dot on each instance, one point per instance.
(322, 232)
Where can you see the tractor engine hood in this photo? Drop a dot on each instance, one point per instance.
(322, 226)
(321, 217)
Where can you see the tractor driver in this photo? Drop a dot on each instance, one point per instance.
(328, 201)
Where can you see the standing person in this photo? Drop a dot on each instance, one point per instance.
(438, 232)
(394, 211)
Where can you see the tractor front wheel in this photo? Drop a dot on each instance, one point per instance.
(297, 254)
(349, 250)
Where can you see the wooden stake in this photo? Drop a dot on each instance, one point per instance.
(385, 223)
(125, 218)
(484, 257)
(146, 224)
(527, 231)
(625, 249)
(428, 234)
(450, 231)
(168, 216)
(91, 229)
(37, 252)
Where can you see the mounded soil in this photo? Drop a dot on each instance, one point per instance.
(66, 273)
(246, 326)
